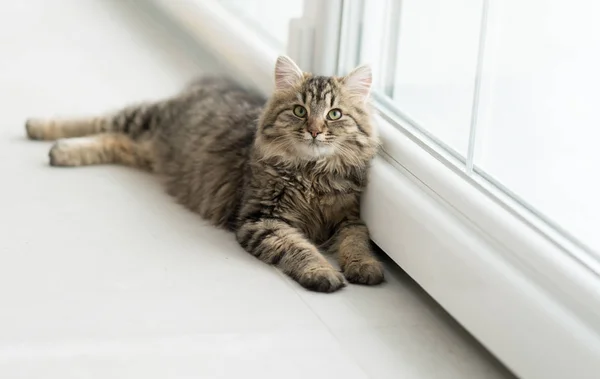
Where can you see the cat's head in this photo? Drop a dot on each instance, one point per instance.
(312, 118)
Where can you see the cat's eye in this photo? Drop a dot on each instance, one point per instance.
(334, 114)
(299, 111)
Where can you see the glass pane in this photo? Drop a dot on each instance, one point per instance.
(539, 126)
(436, 66)
(270, 18)
(430, 48)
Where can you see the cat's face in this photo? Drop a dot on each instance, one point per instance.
(316, 117)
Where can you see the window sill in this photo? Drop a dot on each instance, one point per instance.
(523, 298)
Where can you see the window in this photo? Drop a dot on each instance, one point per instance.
(538, 116)
(506, 89)
(429, 62)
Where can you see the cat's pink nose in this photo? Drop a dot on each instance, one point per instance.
(314, 133)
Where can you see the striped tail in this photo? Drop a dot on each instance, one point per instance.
(133, 121)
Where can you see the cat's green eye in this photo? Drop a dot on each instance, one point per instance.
(299, 111)
(334, 114)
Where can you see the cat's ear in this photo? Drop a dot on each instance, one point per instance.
(287, 73)
(359, 81)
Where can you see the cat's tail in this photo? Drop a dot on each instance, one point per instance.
(134, 121)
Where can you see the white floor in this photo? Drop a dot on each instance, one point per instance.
(102, 275)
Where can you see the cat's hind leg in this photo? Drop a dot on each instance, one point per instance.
(104, 148)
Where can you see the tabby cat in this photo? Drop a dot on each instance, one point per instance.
(285, 174)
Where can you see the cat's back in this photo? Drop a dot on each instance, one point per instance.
(204, 149)
(223, 90)
(217, 102)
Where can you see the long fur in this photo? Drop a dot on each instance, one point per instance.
(248, 164)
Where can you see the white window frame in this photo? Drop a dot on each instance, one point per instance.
(517, 291)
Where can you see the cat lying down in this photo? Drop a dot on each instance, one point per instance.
(285, 173)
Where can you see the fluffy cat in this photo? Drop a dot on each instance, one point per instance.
(285, 174)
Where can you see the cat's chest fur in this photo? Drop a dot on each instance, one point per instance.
(312, 201)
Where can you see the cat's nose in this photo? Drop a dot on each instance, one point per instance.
(314, 133)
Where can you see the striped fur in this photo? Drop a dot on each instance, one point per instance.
(251, 165)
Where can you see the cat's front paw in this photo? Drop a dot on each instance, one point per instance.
(322, 279)
(368, 272)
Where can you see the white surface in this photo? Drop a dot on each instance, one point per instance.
(269, 17)
(102, 275)
(213, 26)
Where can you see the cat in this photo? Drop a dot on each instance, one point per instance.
(285, 174)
